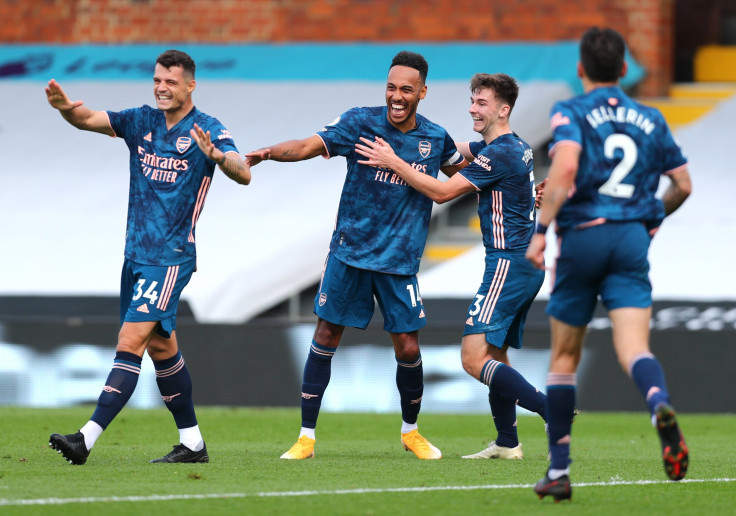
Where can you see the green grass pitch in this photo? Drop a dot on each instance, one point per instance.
(360, 466)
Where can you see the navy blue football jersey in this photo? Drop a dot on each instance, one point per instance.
(625, 148)
(503, 174)
(169, 181)
(382, 222)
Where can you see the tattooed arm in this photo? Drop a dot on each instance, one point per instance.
(232, 165)
(292, 150)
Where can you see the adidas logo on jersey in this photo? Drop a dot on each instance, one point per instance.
(143, 308)
(421, 314)
(147, 137)
(469, 322)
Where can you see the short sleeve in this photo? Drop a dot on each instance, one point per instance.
(341, 134)
(123, 122)
(564, 126)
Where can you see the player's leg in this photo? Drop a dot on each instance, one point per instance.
(496, 322)
(316, 377)
(477, 359)
(567, 341)
(403, 315)
(344, 299)
(581, 263)
(626, 292)
(631, 342)
(507, 388)
(123, 377)
(410, 383)
(118, 389)
(175, 385)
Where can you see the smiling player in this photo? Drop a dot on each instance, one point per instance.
(379, 238)
(173, 153)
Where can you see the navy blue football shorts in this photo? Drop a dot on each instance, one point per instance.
(510, 284)
(151, 293)
(608, 260)
(346, 297)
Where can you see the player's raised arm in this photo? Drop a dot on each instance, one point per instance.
(380, 154)
(76, 113)
(231, 164)
(292, 150)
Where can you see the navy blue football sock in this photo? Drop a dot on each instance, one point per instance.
(175, 386)
(504, 417)
(509, 383)
(317, 373)
(410, 382)
(118, 388)
(647, 373)
(561, 390)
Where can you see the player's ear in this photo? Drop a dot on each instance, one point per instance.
(191, 85)
(581, 71)
(624, 68)
(423, 92)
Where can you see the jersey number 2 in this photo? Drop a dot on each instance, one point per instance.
(613, 186)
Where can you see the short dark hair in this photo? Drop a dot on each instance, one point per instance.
(602, 53)
(412, 60)
(504, 86)
(177, 58)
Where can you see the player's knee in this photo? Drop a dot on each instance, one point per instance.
(470, 364)
(328, 334)
(407, 351)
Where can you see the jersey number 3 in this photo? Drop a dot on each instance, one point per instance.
(613, 186)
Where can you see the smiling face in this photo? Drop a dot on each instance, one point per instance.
(487, 112)
(404, 90)
(172, 88)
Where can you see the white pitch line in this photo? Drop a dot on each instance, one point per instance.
(207, 496)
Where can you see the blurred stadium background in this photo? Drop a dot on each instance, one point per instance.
(272, 70)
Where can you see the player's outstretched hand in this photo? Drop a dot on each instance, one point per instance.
(253, 158)
(535, 251)
(204, 142)
(379, 153)
(58, 99)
